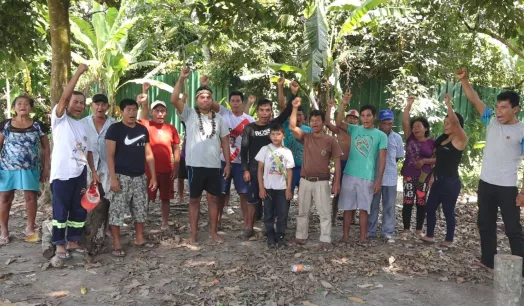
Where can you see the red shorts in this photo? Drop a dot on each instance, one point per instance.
(166, 186)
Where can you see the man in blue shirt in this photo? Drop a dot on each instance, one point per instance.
(388, 192)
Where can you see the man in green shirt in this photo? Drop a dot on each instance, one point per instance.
(359, 183)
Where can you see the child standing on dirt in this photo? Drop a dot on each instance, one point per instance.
(275, 175)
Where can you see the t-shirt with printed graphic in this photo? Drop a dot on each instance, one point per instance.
(503, 151)
(21, 149)
(130, 152)
(70, 146)
(236, 126)
(276, 161)
(162, 137)
(365, 147)
(293, 144)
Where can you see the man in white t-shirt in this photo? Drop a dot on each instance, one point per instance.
(206, 134)
(71, 153)
(498, 177)
(236, 120)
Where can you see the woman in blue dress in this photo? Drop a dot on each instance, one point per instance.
(24, 163)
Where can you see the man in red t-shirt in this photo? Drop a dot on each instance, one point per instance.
(164, 142)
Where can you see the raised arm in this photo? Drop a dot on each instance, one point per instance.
(175, 100)
(454, 121)
(250, 101)
(406, 127)
(327, 122)
(340, 116)
(281, 96)
(142, 100)
(68, 90)
(298, 132)
(471, 94)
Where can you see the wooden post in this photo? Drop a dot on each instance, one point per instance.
(507, 284)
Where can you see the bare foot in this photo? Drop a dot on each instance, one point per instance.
(164, 227)
(343, 242)
(216, 237)
(193, 240)
(446, 244)
(419, 234)
(326, 245)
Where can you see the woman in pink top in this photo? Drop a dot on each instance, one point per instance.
(417, 165)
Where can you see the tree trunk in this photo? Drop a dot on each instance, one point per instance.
(507, 283)
(96, 225)
(60, 62)
(60, 47)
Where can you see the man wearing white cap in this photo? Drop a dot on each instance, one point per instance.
(164, 142)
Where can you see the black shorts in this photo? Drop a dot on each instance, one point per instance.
(201, 179)
(182, 169)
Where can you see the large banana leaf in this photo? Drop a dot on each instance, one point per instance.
(316, 44)
(356, 17)
(288, 68)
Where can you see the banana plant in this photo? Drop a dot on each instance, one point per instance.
(103, 45)
(322, 41)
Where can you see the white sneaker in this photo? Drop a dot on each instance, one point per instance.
(389, 238)
(229, 210)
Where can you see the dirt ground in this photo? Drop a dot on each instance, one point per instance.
(240, 272)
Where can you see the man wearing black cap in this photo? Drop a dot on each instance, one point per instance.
(97, 125)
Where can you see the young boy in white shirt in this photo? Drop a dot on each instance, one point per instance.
(275, 175)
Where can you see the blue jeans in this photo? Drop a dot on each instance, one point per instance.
(389, 198)
(295, 181)
(275, 205)
(446, 191)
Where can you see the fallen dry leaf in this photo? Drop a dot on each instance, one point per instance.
(308, 303)
(59, 294)
(326, 284)
(83, 290)
(356, 299)
(460, 280)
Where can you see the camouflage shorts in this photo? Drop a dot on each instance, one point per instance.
(131, 197)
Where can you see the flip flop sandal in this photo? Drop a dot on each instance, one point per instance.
(63, 255)
(34, 238)
(118, 253)
(444, 246)
(78, 250)
(145, 245)
(364, 244)
(427, 242)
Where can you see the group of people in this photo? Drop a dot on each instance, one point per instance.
(134, 159)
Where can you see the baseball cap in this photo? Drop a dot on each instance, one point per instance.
(100, 98)
(91, 198)
(353, 112)
(385, 114)
(157, 103)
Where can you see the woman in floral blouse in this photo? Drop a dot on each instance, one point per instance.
(24, 162)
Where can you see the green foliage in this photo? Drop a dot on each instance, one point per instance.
(21, 29)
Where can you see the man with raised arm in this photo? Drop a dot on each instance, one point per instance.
(297, 149)
(319, 150)
(164, 141)
(235, 120)
(498, 177)
(345, 143)
(206, 132)
(254, 137)
(361, 180)
(71, 153)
